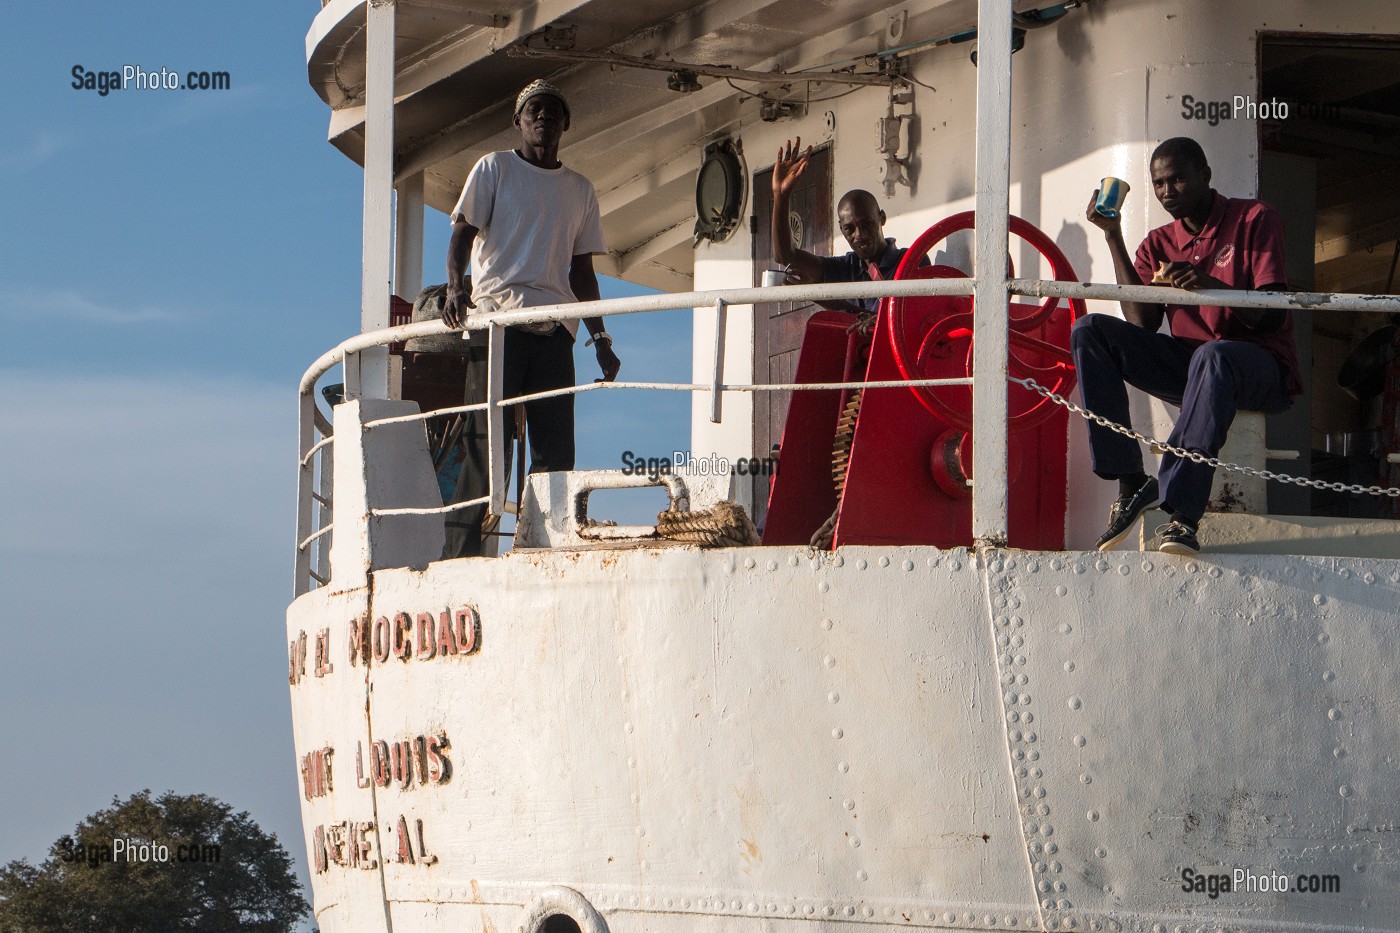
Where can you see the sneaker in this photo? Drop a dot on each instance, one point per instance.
(1177, 538)
(1125, 513)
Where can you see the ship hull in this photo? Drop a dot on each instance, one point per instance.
(903, 737)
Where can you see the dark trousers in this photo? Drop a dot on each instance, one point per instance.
(1209, 381)
(532, 364)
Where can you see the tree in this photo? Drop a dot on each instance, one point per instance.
(172, 863)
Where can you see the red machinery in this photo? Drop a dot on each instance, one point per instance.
(894, 464)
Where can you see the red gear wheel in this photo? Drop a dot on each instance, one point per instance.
(930, 335)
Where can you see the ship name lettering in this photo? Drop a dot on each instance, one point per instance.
(422, 635)
(323, 653)
(412, 850)
(348, 843)
(316, 773)
(296, 659)
(420, 761)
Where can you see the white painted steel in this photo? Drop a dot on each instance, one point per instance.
(716, 387)
(495, 425)
(408, 237)
(378, 222)
(1320, 301)
(352, 347)
(989, 351)
(764, 739)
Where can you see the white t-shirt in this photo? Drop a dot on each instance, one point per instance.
(533, 221)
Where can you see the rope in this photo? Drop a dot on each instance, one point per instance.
(1196, 457)
(724, 525)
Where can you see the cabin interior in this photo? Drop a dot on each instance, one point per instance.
(1331, 168)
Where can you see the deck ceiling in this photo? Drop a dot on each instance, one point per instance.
(636, 140)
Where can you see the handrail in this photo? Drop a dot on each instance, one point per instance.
(1036, 288)
(828, 291)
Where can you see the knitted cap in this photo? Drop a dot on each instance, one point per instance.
(536, 88)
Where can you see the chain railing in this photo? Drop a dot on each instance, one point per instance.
(317, 440)
(1194, 456)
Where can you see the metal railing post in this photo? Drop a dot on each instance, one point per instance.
(495, 437)
(306, 431)
(989, 352)
(716, 395)
(377, 231)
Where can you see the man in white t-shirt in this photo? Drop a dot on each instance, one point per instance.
(531, 227)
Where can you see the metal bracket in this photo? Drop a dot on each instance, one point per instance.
(586, 528)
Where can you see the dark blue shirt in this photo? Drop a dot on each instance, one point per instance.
(851, 268)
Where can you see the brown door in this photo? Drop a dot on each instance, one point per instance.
(778, 326)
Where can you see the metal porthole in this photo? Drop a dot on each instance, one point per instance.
(721, 187)
(559, 909)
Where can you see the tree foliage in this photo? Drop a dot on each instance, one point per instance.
(228, 876)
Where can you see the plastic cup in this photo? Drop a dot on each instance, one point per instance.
(1112, 193)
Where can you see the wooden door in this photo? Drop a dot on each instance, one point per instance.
(778, 326)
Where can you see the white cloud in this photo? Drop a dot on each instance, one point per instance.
(32, 154)
(69, 305)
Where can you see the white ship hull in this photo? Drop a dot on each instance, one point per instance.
(905, 737)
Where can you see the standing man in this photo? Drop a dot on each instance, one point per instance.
(531, 227)
(1215, 361)
(873, 256)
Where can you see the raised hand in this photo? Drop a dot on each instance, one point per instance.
(790, 166)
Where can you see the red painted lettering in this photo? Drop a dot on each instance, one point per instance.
(423, 855)
(318, 850)
(468, 630)
(405, 843)
(446, 644)
(427, 644)
(381, 639)
(403, 636)
(379, 763)
(360, 779)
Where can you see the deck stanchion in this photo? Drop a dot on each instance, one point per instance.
(716, 393)
(495, 420)
(306, 436)
(376, 256)
(989, 353)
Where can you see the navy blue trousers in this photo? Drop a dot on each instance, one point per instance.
(533, 363)
(1209, 382)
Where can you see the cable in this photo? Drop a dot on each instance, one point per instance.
(822, 100)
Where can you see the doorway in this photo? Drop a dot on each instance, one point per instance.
(1331, 168)
(778, 326)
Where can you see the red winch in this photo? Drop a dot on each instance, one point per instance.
(893, 465)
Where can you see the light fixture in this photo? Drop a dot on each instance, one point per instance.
(684, 81)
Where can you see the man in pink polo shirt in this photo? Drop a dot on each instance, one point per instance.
(1215, 360)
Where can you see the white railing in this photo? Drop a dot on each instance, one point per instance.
(315, 432)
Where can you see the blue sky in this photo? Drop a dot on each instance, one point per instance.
(171, 263)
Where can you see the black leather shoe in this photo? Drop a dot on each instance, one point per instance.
(1177, 538)
(1125, 513)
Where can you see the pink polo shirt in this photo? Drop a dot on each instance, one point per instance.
(1241, 244)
